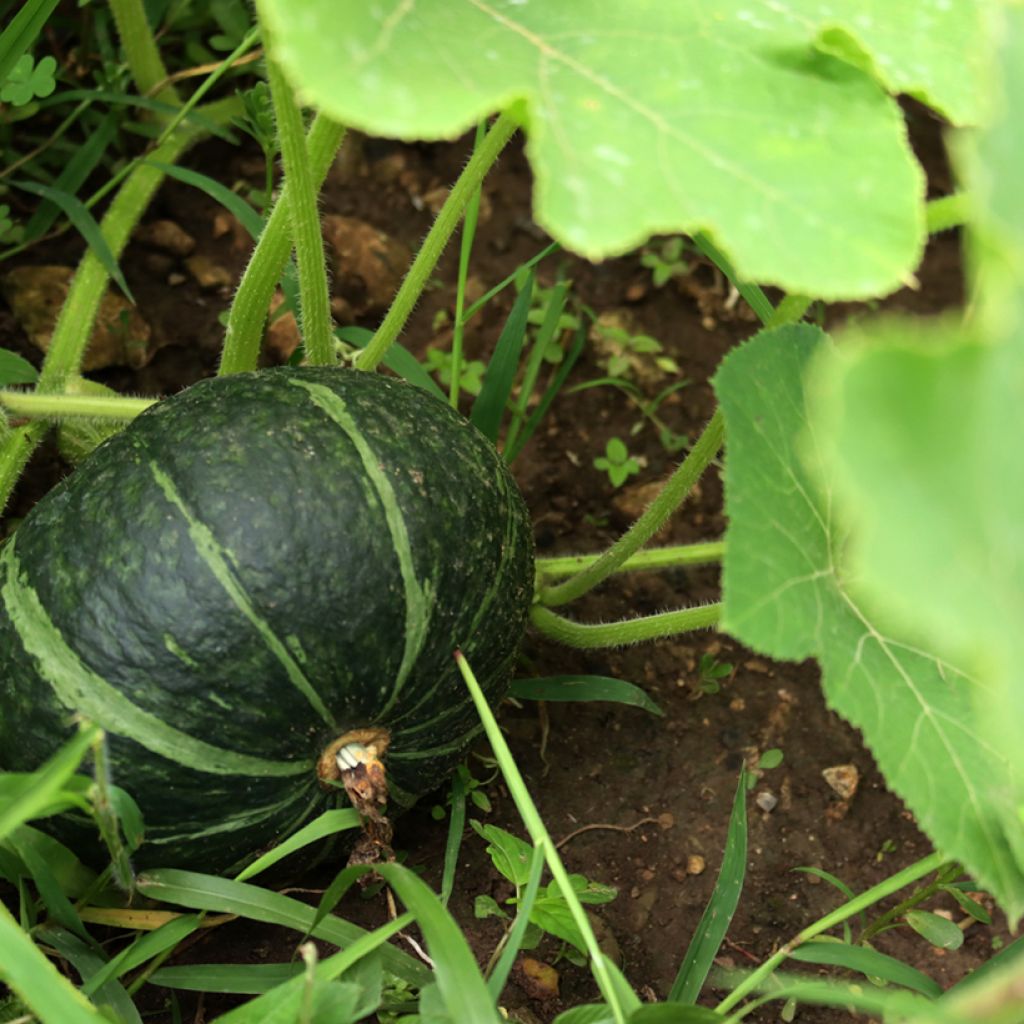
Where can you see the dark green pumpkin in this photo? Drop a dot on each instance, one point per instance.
(249, 571)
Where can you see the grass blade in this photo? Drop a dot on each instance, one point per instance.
(74, 174)
(207, 892)
(398, 358)
(49, 780)
(585, 688)
(239, 979)
(456, 826)
(75, 211)
(557, 382)
(22, 32)
(714, 922)
(502, 285)
(37, 982)
(231, 201)
(489, 406)
(868, 962)
(328, 824)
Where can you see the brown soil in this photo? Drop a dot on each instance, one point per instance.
(599, 768)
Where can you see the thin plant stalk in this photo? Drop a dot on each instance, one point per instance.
(628, 631)
(503, 284)
(437, 238)
(541, 839)
(705, 553)
(950, 873)
(465, 250)
(248, 312)
(672, 495)
(315, 320)
(850, 909)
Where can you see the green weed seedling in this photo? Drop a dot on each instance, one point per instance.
(617, 462)
(665, 261)
(712, 672)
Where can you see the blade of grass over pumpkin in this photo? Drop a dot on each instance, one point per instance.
(398, 358)
(22, 32)
(469, 220)
(517, 933)
(752, 293)
(500, 377)
(327, 824)
(58, 906)
(231, 201)
(717, 916)
(456, 826)
(535, 826)
(281, 1004)
(554, 387)
(38, 983)
(868, 962)
(207, 892)
(584, 688)
(511, 279)
(87, 958)
(545, 335)
(49, 781)
(86, 225)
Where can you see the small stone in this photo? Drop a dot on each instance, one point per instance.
(695, 864)
(167, 236)
(632, 501)
(209, 274)
(766, 800)
(539, 980)
(176, 278)
(120, 336)
(843, 778)
(666, 820)
(647, 875)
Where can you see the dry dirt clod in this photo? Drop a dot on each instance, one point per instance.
(538, 979)
(209, 274)
(843, 779)
(120, 338)
(167, 236)
(368, 264)
(283, 336)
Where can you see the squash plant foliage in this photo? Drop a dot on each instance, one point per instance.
(874, 520)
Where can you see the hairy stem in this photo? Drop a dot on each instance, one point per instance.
(256, 289)
(315, 320)
(671, 497)
(653, 558)
(140, 49)
(628, 631)
(433, 245)
(25, 403)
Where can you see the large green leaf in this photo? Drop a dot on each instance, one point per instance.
(762, 124)
(922, 423)
(788, 591)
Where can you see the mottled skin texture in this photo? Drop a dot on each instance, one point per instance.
(298, 524)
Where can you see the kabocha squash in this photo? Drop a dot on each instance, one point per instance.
(253, 579)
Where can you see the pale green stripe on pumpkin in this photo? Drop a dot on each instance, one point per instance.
(217, 561)
(417, 598)
(422, 755)
(80, 690)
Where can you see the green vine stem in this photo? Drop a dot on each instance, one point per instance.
(654, 518)
(433, 245)
(140, 49)
(542, 840)
(315, 318)
(885, 888)
(25, 403)
(248, 311)
(674, 556)
(628, 631)
(946, 212)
